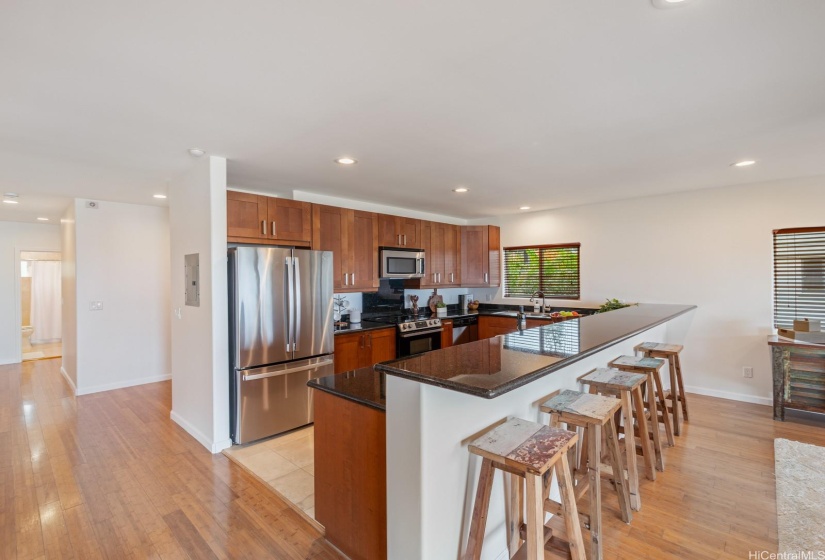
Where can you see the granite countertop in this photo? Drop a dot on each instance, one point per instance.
(364, 386)
(364, 325)
(494, 366)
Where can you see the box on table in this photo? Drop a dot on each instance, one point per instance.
(807, 325)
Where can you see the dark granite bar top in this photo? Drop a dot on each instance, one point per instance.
(364, 325)
(364, 386)
(491, 367)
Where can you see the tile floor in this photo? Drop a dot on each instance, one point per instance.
(286, 463)
(39, 351)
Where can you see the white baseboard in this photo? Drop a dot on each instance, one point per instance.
(122, 384)
(213, 447)
(741, 397)
(69, 380)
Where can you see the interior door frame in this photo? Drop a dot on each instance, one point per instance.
(18, 304)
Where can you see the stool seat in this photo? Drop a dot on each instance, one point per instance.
(584, 408)
(642, 364)
(524, 446)
(659, 348)
(611, 378)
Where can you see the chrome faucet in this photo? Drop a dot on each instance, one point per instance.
(534, 299)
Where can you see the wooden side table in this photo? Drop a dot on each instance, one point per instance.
(798, 376)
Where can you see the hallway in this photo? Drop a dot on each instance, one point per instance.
(109, 475)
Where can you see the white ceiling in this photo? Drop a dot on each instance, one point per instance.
(548, 103)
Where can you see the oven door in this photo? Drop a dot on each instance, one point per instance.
(397, 263)
(418, 342)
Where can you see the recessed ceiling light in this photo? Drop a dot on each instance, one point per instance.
(524, 208)
(42, 219)
(159, 196)
(197, 152)
(346, 161)
(461, 190)
(668, 3)
(743, 163)
(9, 201)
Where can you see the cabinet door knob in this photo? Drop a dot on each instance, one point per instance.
(346, 279)
(273, 229)
(353, 279)
(405, 239)
(263, 227)
(486, 277)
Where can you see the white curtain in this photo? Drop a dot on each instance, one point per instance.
(45, 310)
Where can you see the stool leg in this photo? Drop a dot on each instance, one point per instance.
(660, 392)
(515, 513)
(595, 490)
(682, 394)
(571, 512)
(479, 521)
(653, 409)
(675, 396)
(618, 471)
(535, 516)
(644, 435)
(630, 448)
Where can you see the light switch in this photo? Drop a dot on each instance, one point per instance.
(96, 306)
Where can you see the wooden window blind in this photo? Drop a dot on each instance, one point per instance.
(551, 269)
(798, 275)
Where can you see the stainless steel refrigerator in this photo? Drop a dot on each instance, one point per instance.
(281, 336)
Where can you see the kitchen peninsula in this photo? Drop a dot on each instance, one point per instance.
(435, 403)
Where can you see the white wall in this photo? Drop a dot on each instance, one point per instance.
(122, 261)
(16, 237)
(200, 354)
(68, 271)
(373, 207)
(712, 248)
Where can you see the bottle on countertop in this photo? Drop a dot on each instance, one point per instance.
(521, 318)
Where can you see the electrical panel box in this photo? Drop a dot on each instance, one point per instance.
(191, 275)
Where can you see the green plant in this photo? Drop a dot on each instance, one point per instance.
(611, 304)
(440, 305)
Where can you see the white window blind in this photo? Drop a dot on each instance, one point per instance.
(798, 275)
(551, 269)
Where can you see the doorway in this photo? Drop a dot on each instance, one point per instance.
(40, 305)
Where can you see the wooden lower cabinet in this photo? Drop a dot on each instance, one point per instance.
(362, 349)
(351, 476)
(489, 327)
(447, 333)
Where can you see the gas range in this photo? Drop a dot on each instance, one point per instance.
(409, 323)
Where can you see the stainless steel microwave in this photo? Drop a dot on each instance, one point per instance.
(401, 263)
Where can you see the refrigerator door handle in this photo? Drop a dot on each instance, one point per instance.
(290, 304)
(305, 367)
(297, 303)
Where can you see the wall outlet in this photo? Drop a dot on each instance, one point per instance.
(96, 306)
(747, 372)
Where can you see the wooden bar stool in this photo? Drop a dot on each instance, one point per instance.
(628, 386)
(528, 450)
(593, 413)
(676, 396)
(652, 367)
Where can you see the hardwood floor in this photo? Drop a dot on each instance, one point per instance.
(716, 498)
(111, 476)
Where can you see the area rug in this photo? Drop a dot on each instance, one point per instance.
(800, 496)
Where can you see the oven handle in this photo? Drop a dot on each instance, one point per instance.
(419, 333)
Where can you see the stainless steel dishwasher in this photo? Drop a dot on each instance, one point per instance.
(465, 329)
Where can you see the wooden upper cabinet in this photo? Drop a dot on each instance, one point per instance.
(442, 244)
(480, 256)
(364, 250)
(252, 218)
(352, 236)
(330, 232)
(289, 220)
(397, 231)
(245, 214)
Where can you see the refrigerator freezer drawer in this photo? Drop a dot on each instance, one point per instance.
(275, 399)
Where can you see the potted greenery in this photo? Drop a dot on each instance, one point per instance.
(440, 309)
(611, 304)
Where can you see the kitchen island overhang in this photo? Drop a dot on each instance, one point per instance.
(436, 403)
